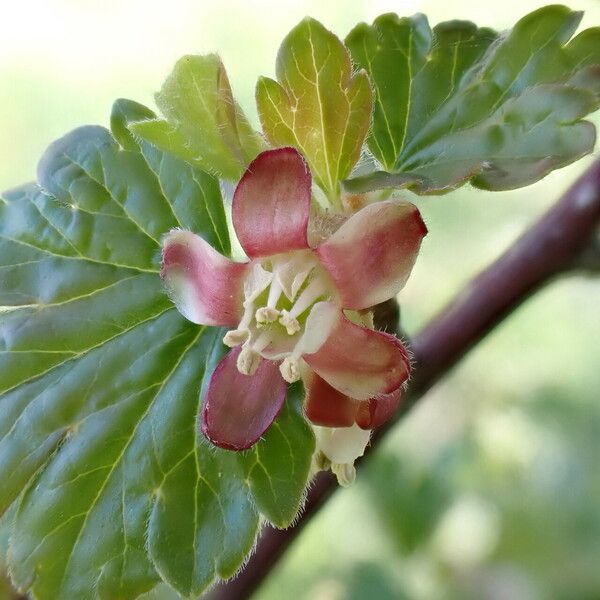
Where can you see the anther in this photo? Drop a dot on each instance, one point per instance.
(290, 369)
(266, 314)
(290, 323)
(248, 361)
(236, 337)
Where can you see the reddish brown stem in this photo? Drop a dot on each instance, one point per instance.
(550, 247)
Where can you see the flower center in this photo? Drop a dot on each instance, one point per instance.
(278, 296)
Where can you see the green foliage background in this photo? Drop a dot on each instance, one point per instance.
(491, 487)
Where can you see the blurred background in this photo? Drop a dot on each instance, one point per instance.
(490, 488)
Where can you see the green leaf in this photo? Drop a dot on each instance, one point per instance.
(101, 380)
(460, 103)
(194, 194)
(124, 113)
(6, 524)
(393, 51)
(277, 467)
(318, 105)
(161, 592)
(204, 125)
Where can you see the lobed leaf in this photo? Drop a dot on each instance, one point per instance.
(100, 381)
(204, 125)
(194, 195)
(317, 105)
(460, 103)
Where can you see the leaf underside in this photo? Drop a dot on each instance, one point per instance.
(460, 103)
(108, 484)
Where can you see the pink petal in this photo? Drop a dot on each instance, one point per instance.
(205, 286)
(271, 204)
(377, 411)
(326, 406)
(355, 360)
(238, 408)
(372, 254)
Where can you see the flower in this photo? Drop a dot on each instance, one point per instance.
(338, 448)
(296, 308)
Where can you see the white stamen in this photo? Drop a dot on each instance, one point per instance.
(293, 272)
(247, 316)
(290, 323)
(308, 296)
(345, 473)
(275, 292)
(290, 369)
(257, 281)
(266, 314)
(262, 341)
(236, 337)
(248, 361)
